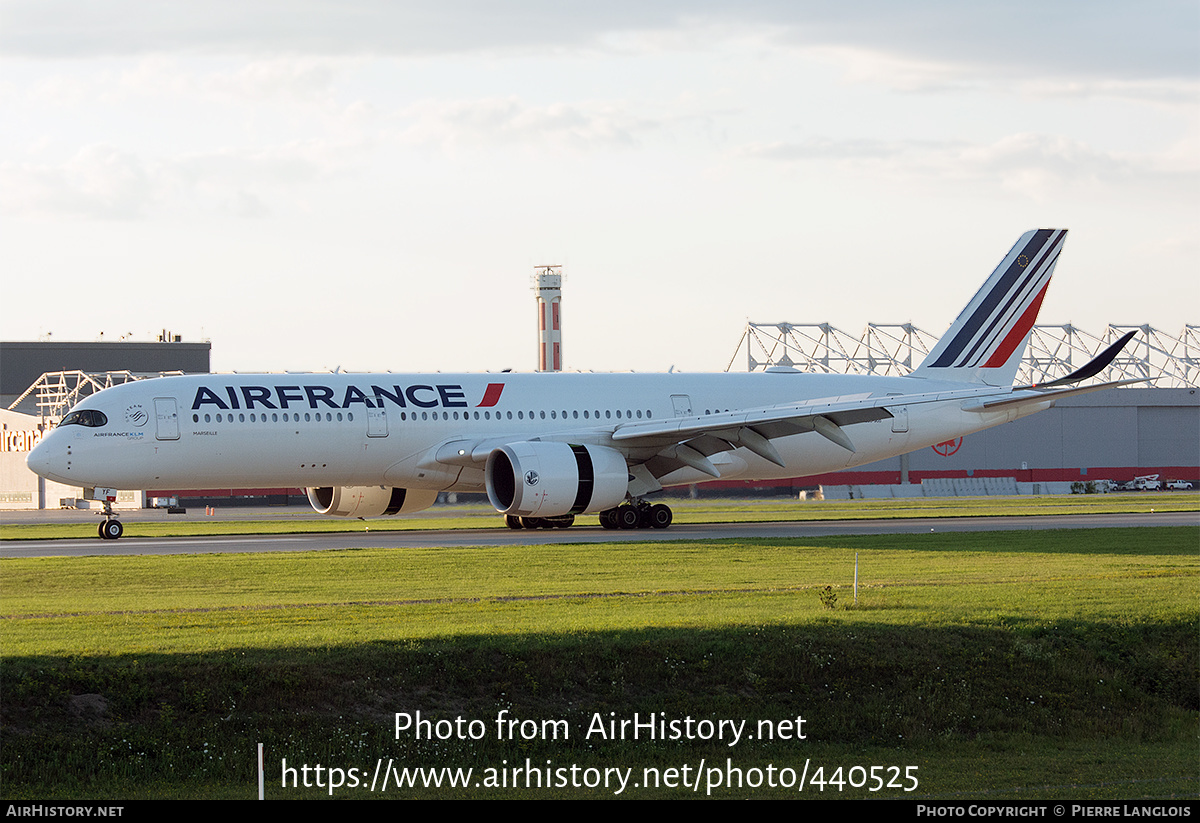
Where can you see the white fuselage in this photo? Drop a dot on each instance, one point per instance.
(315, 429)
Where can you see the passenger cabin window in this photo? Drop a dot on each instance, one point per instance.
(91, 418)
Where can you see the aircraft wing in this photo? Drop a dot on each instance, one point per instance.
(689, 441)
(1040, 394)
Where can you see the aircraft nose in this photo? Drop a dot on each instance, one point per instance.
(42, 459)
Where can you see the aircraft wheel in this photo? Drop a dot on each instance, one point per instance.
(531, 522)
(564, 522)
(660, 516)
(111, 529)
(627, 517)
(100, 530)
(512, 521)
(608, 519)
(643, 517)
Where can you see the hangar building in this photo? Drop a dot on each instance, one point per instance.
(1150, 427)
(37, 378)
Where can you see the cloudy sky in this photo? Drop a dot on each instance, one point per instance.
(312, 184)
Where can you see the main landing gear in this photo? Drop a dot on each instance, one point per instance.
(563, 522)
(110, 527)
(639, 515)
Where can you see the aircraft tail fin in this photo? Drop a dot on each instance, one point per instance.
(985, 344)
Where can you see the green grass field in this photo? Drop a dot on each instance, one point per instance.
(999, 665)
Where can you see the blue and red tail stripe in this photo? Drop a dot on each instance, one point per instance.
(1005, 315)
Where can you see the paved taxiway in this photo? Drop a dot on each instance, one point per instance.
(577, 534)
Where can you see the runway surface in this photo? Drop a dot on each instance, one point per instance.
(577, 534)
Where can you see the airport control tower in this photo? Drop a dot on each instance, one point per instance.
(547, 287)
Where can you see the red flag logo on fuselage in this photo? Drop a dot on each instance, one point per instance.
(492, 396)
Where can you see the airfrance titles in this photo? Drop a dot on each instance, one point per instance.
(422, 396)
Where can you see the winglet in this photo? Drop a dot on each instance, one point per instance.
(1098, 364)
(1028, 395)
(985, 344)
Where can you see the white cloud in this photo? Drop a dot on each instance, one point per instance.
(246, 204)
(1175, 92)
(900, 72)
(908, 70)
(302, 79)
(509, 120)
(99, 181)
(108, 183)
(292, 80)
(291, 164)
(1104, 38)
(1038, 166)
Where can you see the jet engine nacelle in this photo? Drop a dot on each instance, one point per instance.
(545, 479)
(369, 501)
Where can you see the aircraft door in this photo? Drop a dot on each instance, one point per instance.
(166, 417)
(377, 425)
(682, 404)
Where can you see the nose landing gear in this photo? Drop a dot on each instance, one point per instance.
(110, 527)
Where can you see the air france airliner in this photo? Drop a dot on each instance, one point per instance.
(546, 447)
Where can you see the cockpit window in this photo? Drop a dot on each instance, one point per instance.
(85, 417)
